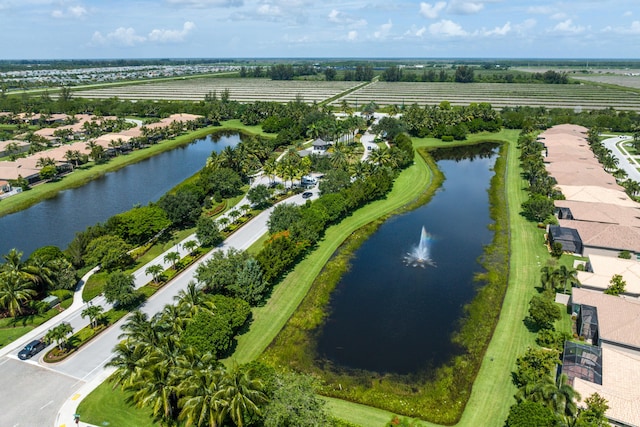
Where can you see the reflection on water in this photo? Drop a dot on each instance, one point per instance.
(385, 317)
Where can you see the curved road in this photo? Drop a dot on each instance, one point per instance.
(38, 394)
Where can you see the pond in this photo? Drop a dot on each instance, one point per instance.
(55, 221)
(390, 316)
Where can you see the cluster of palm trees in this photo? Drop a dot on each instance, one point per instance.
(20, 282)
(176, 381)
(610, 162)
(557, 395)
(554, 278)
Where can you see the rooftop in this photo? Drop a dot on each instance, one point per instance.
(620, 379)
(605, 267)
(618, 316)
(591, 193)
(602, 212)
(606, 236)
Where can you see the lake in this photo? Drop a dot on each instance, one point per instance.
(55, 221)
(389, 317)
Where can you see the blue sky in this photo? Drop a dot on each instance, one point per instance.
(49, 29)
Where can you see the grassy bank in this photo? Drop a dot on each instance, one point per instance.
(269, 319)
(492, 392)
(91, 171)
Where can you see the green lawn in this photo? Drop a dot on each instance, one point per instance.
(108, 405)
(12, 329)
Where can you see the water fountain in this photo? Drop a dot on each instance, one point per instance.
(419, 256)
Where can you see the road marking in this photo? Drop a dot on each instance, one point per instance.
(45, 405)
(76, 396)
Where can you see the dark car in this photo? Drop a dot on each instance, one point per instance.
(307, 194)
(31, 349)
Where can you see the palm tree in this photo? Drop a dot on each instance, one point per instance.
(138, 329)
(223, 221)
(128, 361)
(59, 334)
(173, 258)
(14, 292)
(156, 271)
(269, 169)
(548, 278)
(202, 405)
(566, 277)
(234, 214)
(93, 312)
(242, 393)
(191, 300)
(190, 245)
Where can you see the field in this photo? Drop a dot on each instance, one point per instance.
(613, 79)
(242, 90)
(497, 94)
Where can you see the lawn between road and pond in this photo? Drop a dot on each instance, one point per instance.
(493, 390)
(84, 174)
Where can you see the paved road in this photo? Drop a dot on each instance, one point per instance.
(625, 160)
(33, 393)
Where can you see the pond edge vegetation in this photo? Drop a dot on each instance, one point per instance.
(449, 389)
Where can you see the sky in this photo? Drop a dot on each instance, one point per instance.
(94, 29)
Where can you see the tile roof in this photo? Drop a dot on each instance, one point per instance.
(620, 379)
(608, 236)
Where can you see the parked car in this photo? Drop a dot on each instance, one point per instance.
(31, 349)
(307, 194)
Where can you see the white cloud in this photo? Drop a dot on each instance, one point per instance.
(384, 30)
(447, 28)
(627, 13)
(341, 18)
(171, 36)
(129, 37)
(77, 11)
(431, 11)
(415, 32)
(558, 16)
(269, 10)
(352, 35)
(121, 36)
(541, 10)
(466, 7)
(567, 27)
(633, 29)
(334, 16)
(206, 3)
(525, 26)
(499, 31)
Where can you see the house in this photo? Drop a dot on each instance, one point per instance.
(604, 239)
(600, 269)
(611, 366)
(320, 146)
(13, 146)
(598, 212)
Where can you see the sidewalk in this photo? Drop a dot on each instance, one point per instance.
(252, 230)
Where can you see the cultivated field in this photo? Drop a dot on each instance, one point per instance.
(617, 79)
(497, 94)
(243, 90)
